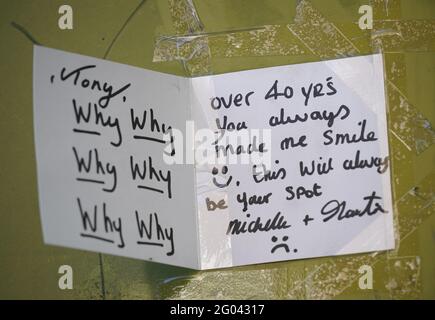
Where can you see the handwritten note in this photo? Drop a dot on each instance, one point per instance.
(248, 167)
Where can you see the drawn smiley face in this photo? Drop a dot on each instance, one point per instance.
(280, 245)
(224, 171)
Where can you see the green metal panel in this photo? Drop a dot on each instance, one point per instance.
(231, 35)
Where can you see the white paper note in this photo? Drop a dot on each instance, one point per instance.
(99, 143)
(120, 169)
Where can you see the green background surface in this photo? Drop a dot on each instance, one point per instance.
(126, 32)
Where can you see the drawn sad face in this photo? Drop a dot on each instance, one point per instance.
(280, 245)
(221, 181)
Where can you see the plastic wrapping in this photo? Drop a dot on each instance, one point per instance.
(317, 37)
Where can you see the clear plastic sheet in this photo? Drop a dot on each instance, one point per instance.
(313, 35)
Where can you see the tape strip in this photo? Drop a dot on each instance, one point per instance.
(269, 40)
(186, 21)
(228, 284)
(329, 278)
(322, 37)
(403, 281)
(184, 17)
(407, 123)
(404, 35)
(382, 9)
(415, 206)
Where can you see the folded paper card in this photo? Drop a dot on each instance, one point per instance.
(248, 167)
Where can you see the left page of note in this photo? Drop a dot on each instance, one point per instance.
(103, 140)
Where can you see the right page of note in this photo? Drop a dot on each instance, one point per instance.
(299, 166)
